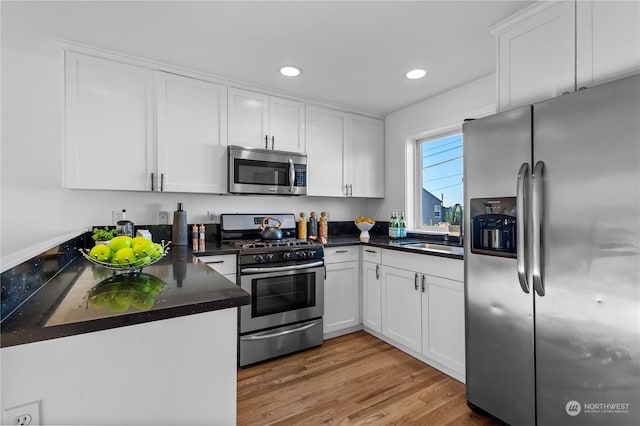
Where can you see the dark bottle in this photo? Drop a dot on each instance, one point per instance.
(179, 233)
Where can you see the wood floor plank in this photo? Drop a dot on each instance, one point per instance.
(355, 379)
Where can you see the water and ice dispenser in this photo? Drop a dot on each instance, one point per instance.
(493, 226)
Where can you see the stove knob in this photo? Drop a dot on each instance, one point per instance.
(268, 257)
(286, 255)
(258, 258)
(310, 253)
(302, 254)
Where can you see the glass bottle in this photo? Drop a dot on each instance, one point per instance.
(402, 226)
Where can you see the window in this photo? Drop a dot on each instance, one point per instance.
(439, 186)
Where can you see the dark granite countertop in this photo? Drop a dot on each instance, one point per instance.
(402, 245)
(83, 297)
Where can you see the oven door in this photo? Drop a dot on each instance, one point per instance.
(282, 295)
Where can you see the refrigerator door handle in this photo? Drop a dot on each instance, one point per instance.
(521, 207)
(537, 195)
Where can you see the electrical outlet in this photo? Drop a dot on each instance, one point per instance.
(23, 415)
(163, 218)
(116, 215)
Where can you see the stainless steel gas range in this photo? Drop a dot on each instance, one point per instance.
(285, 278)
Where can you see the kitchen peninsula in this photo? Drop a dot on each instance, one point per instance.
(168, 359)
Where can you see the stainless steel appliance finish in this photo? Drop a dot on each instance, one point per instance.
(553, 336)
(265, 171)
(286, 281)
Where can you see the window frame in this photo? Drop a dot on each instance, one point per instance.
(416, 193)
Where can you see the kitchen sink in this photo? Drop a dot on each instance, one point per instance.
(440, 248)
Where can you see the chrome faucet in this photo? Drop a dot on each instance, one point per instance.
(453, 216)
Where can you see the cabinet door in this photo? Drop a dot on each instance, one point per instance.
(192, 134)
(286, 125)
(608, 40)
(364, 157)
(443, 333)
(109, 124)
(371, 296)
(401, 307)
(536, 54)
(326, 134)
(248, 118)
(341, 296)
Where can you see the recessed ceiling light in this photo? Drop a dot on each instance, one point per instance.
(290, 71)
(415, 74)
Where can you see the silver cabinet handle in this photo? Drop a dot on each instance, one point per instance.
(350, 190)
(161, 182)
(424, 279)
(153, 178)
(292, 175)
(370, 251)
(266, 142)
(214, 262)
(537, 222)
(521, 229)
(415, 281)
(342, 251)
(273, 142)
(377, 272)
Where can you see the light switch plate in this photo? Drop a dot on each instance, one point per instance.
(163, 218)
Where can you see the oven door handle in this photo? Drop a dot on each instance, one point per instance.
(282, 268)
(263, 336)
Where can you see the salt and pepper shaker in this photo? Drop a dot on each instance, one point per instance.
(323, 228)
(313, 221)
(194, 236)
(302, 227)
(201, 237)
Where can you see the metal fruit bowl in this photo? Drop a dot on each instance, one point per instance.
(126, 267)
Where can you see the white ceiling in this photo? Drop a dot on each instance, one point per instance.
(353, 54)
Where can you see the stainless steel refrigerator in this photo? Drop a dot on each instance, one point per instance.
(552, 259)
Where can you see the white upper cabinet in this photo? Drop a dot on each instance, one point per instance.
(262, 121)
(119, 136)
(346, 154)
(555, 47)
(608, 40)
(364, 157)
(192, 128)
(536, 54)
(326, 135)
(109, 124)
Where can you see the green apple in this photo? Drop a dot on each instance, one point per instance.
(138, 239)
(143, 247)
(101, 253)
(158, 251)
(124, 256)
(120, 242)
(143, 261)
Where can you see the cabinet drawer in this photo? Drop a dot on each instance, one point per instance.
(224, 264)
(444, 267)
(371, 254)
(341, 254)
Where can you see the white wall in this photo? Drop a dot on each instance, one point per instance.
(36, 208)
(471, 100)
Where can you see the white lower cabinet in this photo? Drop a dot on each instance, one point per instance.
(401, 307)
(371, 289)
(443, 322)
(341, 290)
(225, 264)
(423, 308)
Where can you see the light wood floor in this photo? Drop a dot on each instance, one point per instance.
(351, 380)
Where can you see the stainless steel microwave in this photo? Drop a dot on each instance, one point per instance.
(264, 171)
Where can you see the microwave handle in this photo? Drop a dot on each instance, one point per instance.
(292, 175)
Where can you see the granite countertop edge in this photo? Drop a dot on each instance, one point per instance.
(38, 334)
